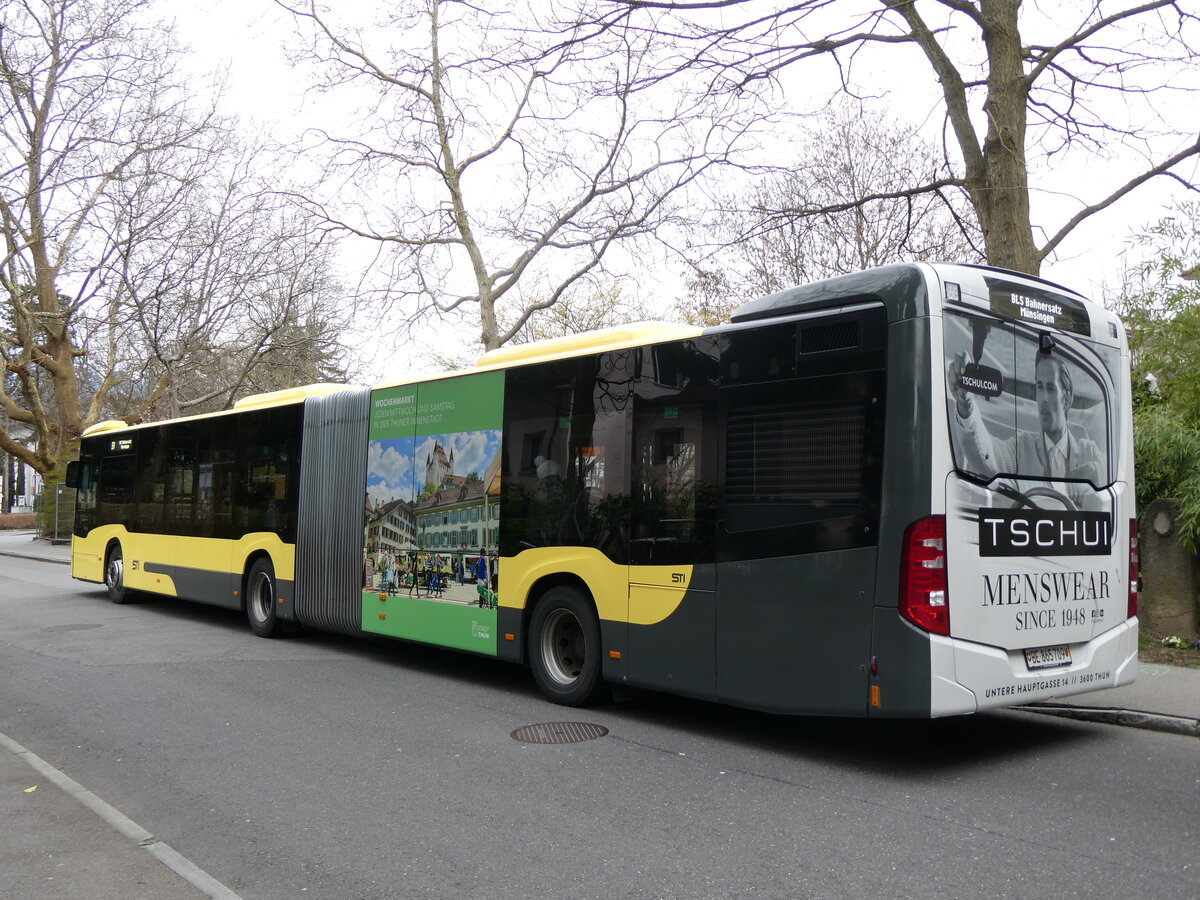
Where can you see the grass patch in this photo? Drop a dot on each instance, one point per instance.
(1152, 650)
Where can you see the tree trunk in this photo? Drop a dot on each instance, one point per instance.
(1002, 199)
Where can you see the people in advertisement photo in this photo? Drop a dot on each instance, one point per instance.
(997, 428)
(423, 516)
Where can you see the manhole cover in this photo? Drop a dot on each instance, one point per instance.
(559, 733)
(80, 627)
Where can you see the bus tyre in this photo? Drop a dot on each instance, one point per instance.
(260, 599)
(114, 576)
(564, 648)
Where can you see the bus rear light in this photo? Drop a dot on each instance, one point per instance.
(1134, 569)
(923, 598)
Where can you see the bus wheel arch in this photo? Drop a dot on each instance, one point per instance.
(564, 644)
(533, 596)
(259, 596)
(114, 573)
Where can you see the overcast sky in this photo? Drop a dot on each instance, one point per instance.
(248, 37)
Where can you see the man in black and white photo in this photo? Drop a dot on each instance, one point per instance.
(1059, 449)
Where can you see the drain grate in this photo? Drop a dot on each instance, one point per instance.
(559, 733)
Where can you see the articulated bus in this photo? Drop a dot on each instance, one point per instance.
(906, 492)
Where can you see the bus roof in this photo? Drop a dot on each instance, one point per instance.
(254, 401)
(900, 284)
(901, 288)
(600, 341)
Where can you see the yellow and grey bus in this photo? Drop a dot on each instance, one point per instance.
(903, 492)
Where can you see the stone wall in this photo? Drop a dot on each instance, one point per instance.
(1170, 575)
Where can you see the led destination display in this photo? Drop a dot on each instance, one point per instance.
(1030, 304)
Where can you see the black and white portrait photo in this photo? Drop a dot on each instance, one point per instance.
(1027, 408)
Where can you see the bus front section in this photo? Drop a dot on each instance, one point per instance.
(1027, 584)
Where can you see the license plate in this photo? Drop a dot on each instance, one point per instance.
(1048, 657)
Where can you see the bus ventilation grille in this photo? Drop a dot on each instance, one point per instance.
(834, 336)
(559, 733)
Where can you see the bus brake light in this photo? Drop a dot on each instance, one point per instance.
(923, 597)
(1134, 569)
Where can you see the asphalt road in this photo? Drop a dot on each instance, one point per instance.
(320, 766)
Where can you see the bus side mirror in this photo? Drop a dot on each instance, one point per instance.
(72, 478)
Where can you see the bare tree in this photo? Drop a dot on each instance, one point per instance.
(1016, 82)
(228, 295)
(125, 222)
(88, 106)
(485, 178)
(807, 222)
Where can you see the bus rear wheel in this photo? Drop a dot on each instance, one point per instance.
(564, 648)
(260, 599)
(114, 575)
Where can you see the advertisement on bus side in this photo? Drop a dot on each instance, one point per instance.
(431, 516)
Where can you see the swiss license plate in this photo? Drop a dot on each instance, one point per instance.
(1048, 657)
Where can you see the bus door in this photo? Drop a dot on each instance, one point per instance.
(114, 470)
(672, 573)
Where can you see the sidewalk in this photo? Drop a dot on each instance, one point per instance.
(53, 847)
(1163, 698)
(25, 545)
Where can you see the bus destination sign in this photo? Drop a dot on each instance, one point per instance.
(1030, 304)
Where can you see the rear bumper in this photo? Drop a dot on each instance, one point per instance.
(969, 677)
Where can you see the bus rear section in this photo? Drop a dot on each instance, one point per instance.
(1026, 584)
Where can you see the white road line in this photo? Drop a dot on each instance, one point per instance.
(164, 853)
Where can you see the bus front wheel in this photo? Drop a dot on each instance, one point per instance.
(260, 599)
(114, 575)
(564, 648)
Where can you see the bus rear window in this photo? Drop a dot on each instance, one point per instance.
(1027, 404)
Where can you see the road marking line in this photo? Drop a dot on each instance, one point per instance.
(163, 852)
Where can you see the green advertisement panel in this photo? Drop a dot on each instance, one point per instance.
(432, 512)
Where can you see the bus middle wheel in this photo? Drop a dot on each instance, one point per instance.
(260, 599)
(564, 648)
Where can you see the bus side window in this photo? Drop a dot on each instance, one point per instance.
(150, 486)
(673, 493)
(567, 421)
(181, 482)
(802, 453)
(673, 510)
(114, 502)
(215, 472)
(537, 417)
(268, 472)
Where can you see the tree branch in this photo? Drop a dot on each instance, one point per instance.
(1162, 168)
